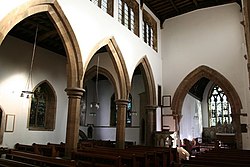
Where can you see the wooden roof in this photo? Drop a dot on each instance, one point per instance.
(165, 9)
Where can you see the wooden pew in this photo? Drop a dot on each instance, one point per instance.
(90, 159)
(39, 160)
(46, 150)
(10, 163)
(209, 163)
(24, 147)
(102, 143)
(164, 156)
(221, 158)
(60, 148)
(135, 158)
(50, 150)
(95, 143)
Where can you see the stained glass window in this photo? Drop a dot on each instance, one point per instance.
(113, 115)
(38, 108)
(219, 107)
(43, 108)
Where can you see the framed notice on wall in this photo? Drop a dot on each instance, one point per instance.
(10, 123)
(166, 101)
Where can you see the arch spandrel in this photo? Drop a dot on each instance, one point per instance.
(64, 29)
(122, 82)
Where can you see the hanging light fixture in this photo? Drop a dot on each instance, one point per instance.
(28, 93)
(95, 105)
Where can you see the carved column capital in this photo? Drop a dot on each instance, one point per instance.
(75, 92)
(121, 102)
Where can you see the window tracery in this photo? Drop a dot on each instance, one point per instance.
(43, 108)
(219, 107)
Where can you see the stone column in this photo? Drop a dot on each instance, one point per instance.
(237, 130)
(121, 122)
(150, 125)
(73, 121)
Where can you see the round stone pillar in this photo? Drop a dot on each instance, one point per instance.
(151, 124)
(73, 121)
(121, 122)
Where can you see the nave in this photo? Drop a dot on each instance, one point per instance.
(103, 153)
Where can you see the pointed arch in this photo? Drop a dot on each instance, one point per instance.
(45, 89)
(148, 115)
(148, 79)
(92, 72)
(75, 73)
(218, 79)
(122, 83)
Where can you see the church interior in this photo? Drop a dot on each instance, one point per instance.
(136, 83)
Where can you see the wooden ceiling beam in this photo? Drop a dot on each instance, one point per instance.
(172, 3)
(40, 27)
(47, 35)
(196, 3)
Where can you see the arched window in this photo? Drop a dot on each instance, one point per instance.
(43, 108)
(113, 114)
(219, 107)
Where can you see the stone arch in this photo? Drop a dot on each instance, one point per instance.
(122, 83)
(63, 27)
(148, 79)
(221, 81)
(148, 119)
(74, 59)
(92, 72)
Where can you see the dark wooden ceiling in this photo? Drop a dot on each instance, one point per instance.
(47, 36)
(197, 90)
(165, 9)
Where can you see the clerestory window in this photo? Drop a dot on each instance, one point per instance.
(219, 107)
(128, 15)
(105, 5)
(149, 30)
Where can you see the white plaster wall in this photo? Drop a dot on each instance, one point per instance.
(211, 37)
(106, 91)
(15, 56)
(99, 26)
